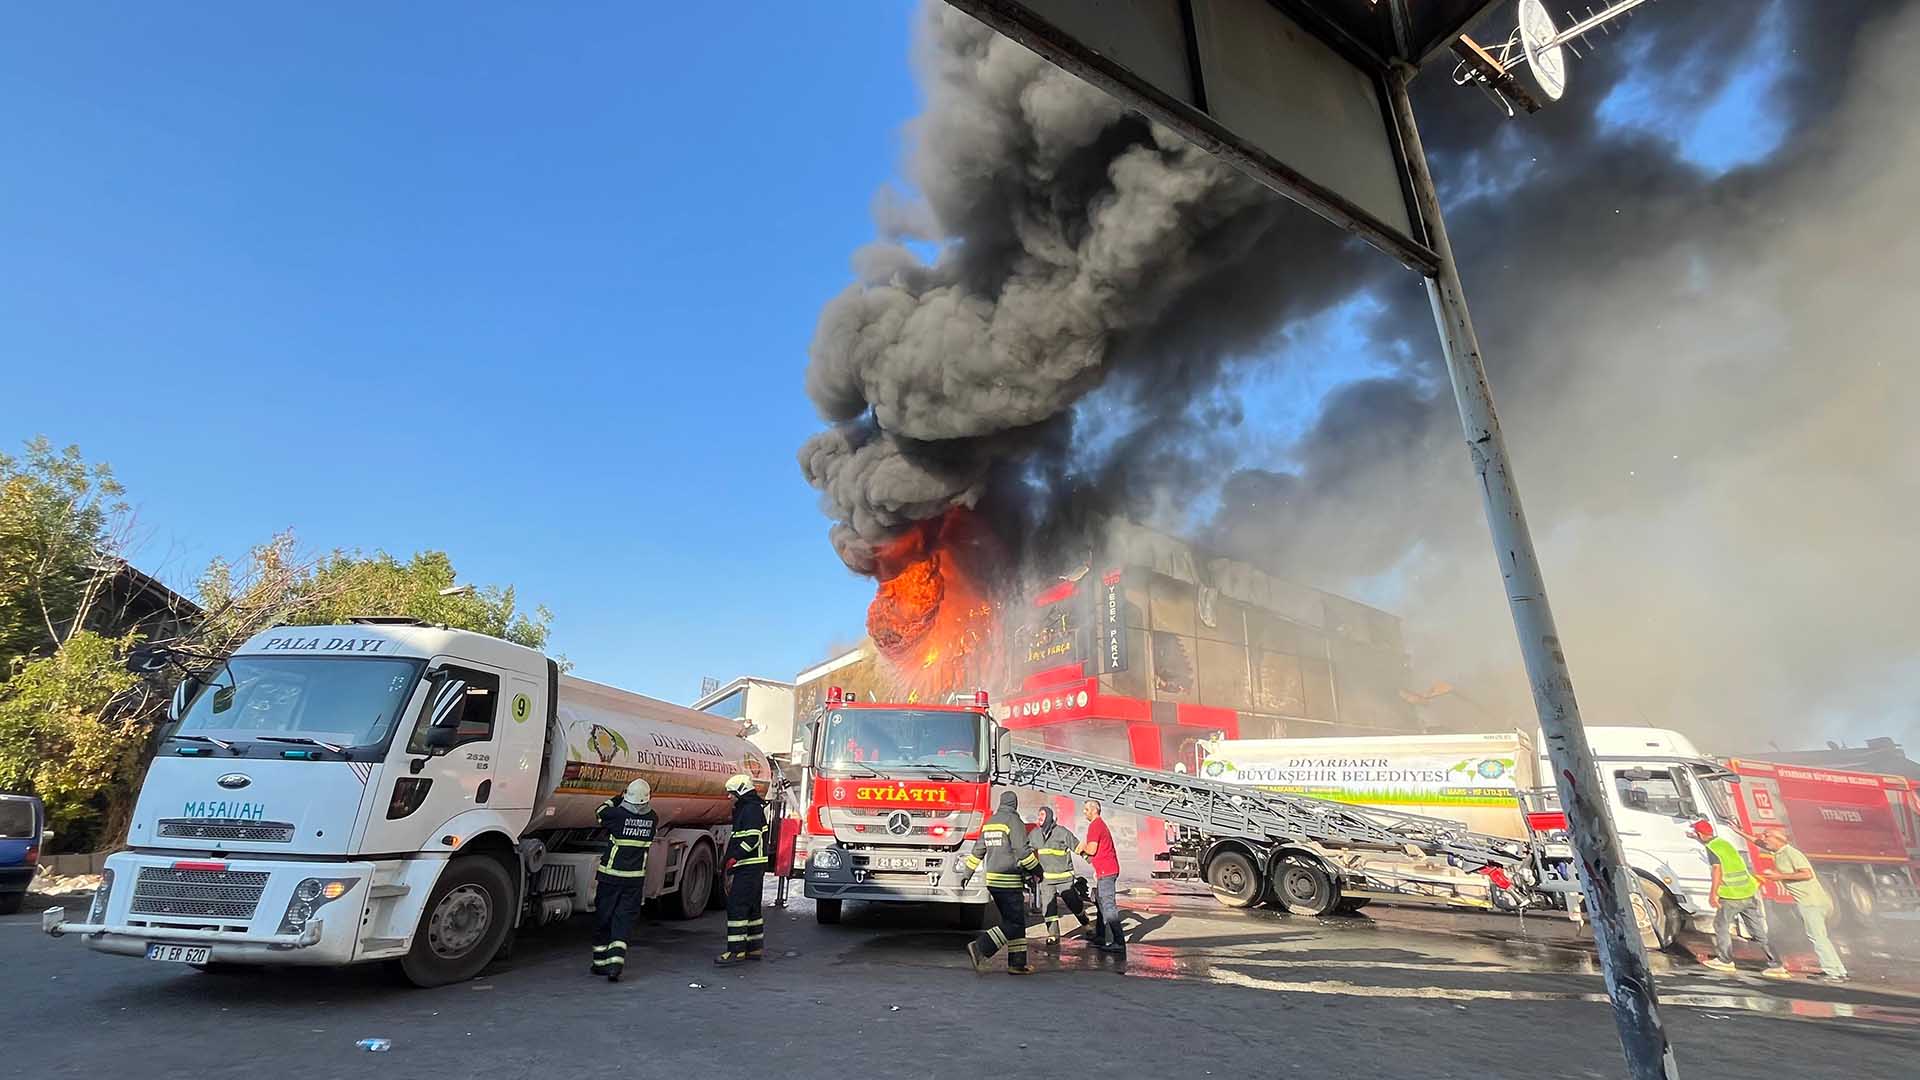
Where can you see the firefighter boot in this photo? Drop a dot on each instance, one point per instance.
(1017, 960)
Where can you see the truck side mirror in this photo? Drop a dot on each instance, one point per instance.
(183, 694)
(803, 746)
(444, 711)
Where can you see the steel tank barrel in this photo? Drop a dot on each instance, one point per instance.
(603, 738)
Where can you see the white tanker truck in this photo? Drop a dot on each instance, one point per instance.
(394, 791)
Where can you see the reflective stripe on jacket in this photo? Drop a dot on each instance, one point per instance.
(748, 844)
(629, 838)
(1003, 852)
(1055, 848)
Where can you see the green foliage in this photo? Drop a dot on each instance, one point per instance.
(345, 585)
(274, 586)
(72, 731)
(56, 518)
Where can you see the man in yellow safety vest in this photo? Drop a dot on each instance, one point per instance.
(1735, 895)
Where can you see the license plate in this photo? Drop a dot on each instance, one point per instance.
(178, 954)
(896, 862)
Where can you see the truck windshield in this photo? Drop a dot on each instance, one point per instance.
(351, 702)
(1715, 786)
(883, 739)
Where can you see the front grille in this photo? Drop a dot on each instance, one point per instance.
(211, 894)
(272, 832)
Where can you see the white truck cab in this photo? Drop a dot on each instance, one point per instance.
(1659, 784)
(393, 791)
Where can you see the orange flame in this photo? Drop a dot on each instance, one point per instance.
(934, 616)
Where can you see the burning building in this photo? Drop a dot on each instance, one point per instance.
(1146, 649)
(1158, 645)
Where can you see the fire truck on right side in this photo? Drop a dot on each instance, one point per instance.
(1860, 830)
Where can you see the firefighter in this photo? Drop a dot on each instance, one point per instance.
(1054, 844)
(621, 877)
(1003, 854)
(746, 869)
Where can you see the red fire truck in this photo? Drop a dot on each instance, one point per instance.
(1861, 831)
(893, 792)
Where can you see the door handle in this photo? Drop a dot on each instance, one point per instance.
(486, 790)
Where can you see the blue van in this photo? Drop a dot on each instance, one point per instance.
(21, 819)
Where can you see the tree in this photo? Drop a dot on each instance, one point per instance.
(58, 521)
(72, 731)
(345, 585)
(276, 586)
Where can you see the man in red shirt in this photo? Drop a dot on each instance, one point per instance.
(1099, 850)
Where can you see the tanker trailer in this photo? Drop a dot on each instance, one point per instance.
(392, 791)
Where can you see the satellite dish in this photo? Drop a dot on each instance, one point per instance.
(1547, 61)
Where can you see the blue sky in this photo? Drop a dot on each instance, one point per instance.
(535, 289)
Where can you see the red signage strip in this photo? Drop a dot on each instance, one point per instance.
(877, 793)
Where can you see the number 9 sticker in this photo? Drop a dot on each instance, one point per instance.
(521, 708)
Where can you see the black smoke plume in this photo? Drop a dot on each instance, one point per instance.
(1702, 372)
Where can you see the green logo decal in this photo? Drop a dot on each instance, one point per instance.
(522, 708)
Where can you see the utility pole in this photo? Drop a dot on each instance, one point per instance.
(1604, 877)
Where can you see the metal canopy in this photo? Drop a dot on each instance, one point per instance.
(1213, 70)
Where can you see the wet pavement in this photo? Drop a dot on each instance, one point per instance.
(1204, 991)
(1457, 956)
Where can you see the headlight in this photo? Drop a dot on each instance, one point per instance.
(97, 913)
(310, 896)
(827, 858)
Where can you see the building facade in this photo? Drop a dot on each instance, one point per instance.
(1156, 647)
(767, 704)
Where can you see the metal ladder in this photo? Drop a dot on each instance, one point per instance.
(1232, 810)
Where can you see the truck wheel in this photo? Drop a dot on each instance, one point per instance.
(1857, 897)
(1654, 915)
(696, 883)
(1305, 887)
(826, 912)
(1234, 880)
(466, 919)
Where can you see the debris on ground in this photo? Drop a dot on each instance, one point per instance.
(49, 884)
(378, 1046)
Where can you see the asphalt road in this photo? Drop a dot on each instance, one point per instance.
(1205, 992)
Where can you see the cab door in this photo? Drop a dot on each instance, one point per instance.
(443, 764)
(1654, 809)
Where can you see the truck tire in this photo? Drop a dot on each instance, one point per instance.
(696, 884)
(1304, 887)
(1235, 881)
(1654, 914)
(465, 921)
(826, 912)
(1856, 896)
